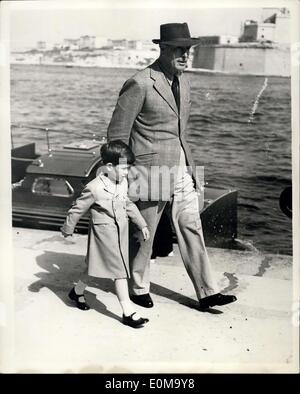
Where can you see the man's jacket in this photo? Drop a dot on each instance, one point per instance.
(147, 119)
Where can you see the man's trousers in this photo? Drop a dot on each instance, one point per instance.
(186, 221)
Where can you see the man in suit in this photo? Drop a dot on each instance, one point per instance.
(151, 116)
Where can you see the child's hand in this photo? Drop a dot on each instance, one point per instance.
(146, 233)
(64, 233)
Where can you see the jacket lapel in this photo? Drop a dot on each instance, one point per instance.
(162, 86)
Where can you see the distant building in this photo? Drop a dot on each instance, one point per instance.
(209, 40)
(142, 45)
(70, 43)
(149, 45)
(249, 33)
(120, 44)
(266, 32)
(267, 11)
(57, 45)
(228, 40)
(282, 31)
(274, 28)
(101, 42)
(217, 40)
(87, 42)
(134, 44)
(262, 48)
(41, 46)
(243, 58)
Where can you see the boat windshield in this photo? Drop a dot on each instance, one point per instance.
(48, 186)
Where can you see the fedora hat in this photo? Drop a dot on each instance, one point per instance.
(176, 34)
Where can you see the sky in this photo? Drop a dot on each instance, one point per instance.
(53, 21)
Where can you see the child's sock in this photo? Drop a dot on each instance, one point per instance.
(129, 309)
(80, 287)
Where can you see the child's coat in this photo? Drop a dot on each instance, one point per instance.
(110, 207)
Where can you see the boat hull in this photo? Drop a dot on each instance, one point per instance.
(219, 219)
(37, 210)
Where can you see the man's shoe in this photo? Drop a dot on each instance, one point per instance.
(216, 299)
(143, 300)
(129, 321)
(80, 304)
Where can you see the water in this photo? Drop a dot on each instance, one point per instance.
(254, 157)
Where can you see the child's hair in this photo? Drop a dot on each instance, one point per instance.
(117, 152)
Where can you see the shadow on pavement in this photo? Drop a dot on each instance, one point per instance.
(62, 270)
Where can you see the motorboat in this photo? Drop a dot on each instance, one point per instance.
(44, 186)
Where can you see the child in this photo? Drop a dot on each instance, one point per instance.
(107, 254)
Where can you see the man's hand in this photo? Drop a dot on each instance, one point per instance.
(64, 233)
(146, 233)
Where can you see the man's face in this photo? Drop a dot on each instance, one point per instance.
(175, 58)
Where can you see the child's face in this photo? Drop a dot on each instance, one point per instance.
(119, 172)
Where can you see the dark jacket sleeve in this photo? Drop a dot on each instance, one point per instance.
(129, 104)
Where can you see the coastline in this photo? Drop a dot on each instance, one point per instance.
(82, 65)
(137, 67)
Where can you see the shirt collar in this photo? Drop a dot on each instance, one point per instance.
(167, 74)
(109, 185)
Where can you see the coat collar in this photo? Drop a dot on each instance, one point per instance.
(162, 86)
(109, 186)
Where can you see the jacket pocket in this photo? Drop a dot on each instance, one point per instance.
(146, 158)
(100, 220)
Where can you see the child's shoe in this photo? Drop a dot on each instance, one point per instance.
(80, 304)
(129, 321)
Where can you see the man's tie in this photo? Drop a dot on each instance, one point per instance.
(176, 91)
